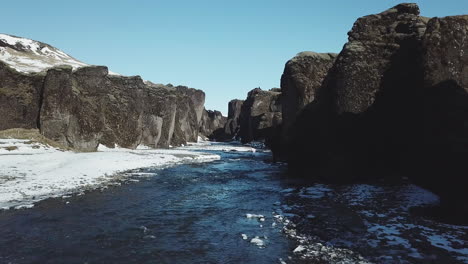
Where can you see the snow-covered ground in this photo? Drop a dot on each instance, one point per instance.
(219, 146)
(26, 55)
(30, 171)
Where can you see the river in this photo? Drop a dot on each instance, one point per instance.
(239, 209)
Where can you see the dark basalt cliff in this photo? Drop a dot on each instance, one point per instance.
(260, 115)
(231, 129)
(393, 103)
(212, 124)
(365, 112)
(20, 98)
(302, 77)
(87, 107)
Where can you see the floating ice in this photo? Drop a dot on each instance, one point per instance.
(257, 241)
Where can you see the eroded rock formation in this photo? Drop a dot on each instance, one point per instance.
(86, 107)
(232, 127)
(20, 98)
(260, 115)
(303, 75)
(212, 124)
(393, 104)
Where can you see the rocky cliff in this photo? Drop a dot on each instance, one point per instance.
(83, 106)
(393, 103)
(212, 124)
(232, 126)
(260, 115)
(302, 77)
(20, 98)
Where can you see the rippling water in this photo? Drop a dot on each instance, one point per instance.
(198, 214)
(186, 214)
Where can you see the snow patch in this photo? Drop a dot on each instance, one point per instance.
(30, 172)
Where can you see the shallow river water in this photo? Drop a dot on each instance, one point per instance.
(240, 209)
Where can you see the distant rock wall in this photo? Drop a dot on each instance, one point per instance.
(86, 107)
(260, 115)
(232, 127)
(212, 124)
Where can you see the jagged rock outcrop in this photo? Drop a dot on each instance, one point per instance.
(260, 115)
(442, 164)
(20, 98)
(212, 124)
(393, 104)
(303, 75)
(87, 107)
(232, 126)
(82, 106)
(361, 117)
(190, 105)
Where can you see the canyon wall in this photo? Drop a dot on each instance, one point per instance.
(86, 107)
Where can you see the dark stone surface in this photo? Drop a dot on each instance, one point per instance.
(20, 98)
(444, 150)
(394, 104)
(303, 75)
(260, 115)
(86, 107)
(232, 127)
(212, 124)
(363, 115)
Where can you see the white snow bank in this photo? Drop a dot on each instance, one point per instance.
(30, 172)
(218, 146)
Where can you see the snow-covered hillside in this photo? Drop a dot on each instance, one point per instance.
(26, 55)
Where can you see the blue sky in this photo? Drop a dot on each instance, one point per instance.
(225, 48)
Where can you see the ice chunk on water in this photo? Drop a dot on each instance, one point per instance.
(257, 241)
(258, 216)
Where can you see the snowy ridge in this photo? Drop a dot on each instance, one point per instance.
(26, 55)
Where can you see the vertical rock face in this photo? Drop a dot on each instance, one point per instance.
(20, 98)
(260, 115)
(64, 117)
(212, 124)
(190, 105)
(361, 115)
(445, 47)
(88, 107)
(303, 75)
(444, 150)
(394, 102)
(231, 129)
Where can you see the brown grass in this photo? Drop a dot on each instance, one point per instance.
(31, 134)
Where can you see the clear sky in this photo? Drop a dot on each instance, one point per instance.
(225, 48)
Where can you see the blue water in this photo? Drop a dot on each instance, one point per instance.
(185, 214)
